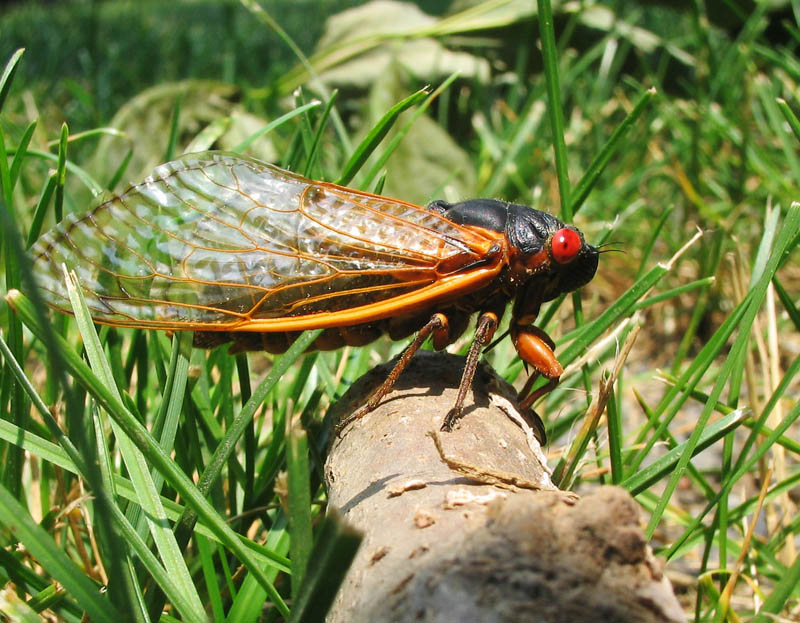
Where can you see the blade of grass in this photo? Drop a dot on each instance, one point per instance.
(790, 117)
(120, 171)
(300, 533)
(166, 427)
(596, 167)
(206, 555)
(615, 438)
(41, 209)
(376, 135)
(209, 135)
(781, 593)
(651, 474)
(322, 123)
(94, 187)
(19, 153)
(674, 292)
(93, 133)
(174, 124)
(788, 303)
(274, 124)
(7, 78)
(61, 174)
(555, 110)
(136, 463)
(11, 467)
(395, 142)
(249, 602)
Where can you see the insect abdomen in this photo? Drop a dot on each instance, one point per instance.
(396, 328)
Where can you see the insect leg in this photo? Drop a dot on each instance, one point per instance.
(436, 326)
(536, 348)
(487, 325)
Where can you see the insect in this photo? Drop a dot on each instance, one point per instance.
(241, 251)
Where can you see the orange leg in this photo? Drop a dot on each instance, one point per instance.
(536, 348)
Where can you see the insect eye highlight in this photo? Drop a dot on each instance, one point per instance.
(566, 245)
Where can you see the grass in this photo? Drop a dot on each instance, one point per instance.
(188, 482)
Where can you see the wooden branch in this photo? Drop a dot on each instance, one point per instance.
(442, 545)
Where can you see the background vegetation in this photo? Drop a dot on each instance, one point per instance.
(646, 121)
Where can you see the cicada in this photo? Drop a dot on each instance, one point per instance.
(241, 251)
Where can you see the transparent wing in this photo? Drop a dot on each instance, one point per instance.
(214, 240)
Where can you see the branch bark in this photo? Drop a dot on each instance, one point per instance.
(443, 547)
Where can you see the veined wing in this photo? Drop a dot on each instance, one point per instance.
(217, 241)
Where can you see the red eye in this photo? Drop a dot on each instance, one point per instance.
(566, 245)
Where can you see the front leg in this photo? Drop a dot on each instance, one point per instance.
(536, 348)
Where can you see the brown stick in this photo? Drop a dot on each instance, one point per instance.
(442, 547)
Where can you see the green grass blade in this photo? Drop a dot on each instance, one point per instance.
(19, 153)
(648, 476)
(174, 126)
(300, 531)
(16, 409)
(790, 117)
(395, 142)
(41, 209)
(322, 123)
(120, 171)
(209, 135)
(61, 174)
(781, 593)
(376, 135)
(78, 172)
(674, 292)
(7, 78)
(213, 590)
(555, 110)
(136, 463)
(274, 124)
(615, 439)
(596, 167)
(249, 602)
(788, 303)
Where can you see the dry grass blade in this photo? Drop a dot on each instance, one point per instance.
(725, 596)
(566, 468)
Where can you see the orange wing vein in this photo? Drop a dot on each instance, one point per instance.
(217, 241)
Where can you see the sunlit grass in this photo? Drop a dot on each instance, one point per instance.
(178, 463)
